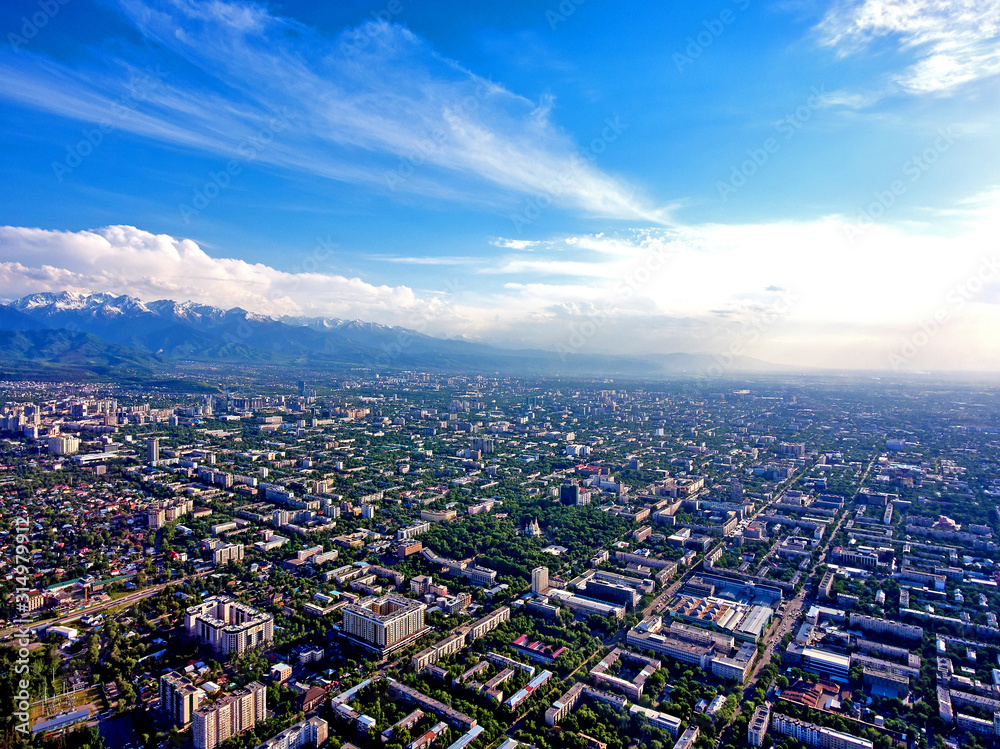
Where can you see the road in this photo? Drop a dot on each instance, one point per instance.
(793, 608)
(126, 600)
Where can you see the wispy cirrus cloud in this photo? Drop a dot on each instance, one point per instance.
(953, 42)
(375, 105)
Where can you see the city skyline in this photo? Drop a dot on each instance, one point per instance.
(811, 183)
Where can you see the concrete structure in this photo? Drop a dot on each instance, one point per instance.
(179, 698)
(686, 741)
(384, 624)
(450, 715)
(572, 696)
(885, 626)
(228, 626)
(757, 729)
(225, 553)
(631, 689)
(312, 732)
(215, 723)
(662, 721)
(585, 606)
(539, 580)
(812, 735)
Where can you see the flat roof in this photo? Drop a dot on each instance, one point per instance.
(826, 656)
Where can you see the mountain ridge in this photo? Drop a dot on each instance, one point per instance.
(189, 331)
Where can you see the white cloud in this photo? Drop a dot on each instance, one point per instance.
(126, 260)
(375, 105)
(794, 292)
(954, 41)
(514, 244)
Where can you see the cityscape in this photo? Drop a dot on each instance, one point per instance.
(383, 374)
(462, 560)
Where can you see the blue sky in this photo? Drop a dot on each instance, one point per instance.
(806, 182)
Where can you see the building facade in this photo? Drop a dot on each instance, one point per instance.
(384, 624)
(215, 723)
(227, 626)
(179, 698)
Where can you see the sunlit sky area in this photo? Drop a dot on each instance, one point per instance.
(815, 183)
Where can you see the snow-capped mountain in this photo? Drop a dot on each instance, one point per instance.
(169, 329)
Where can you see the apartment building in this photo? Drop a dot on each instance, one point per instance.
(228, 626)
(757, 729)
(179, 698)
(232, 715)
(385, 624)
(312, 732)
(885, 626)
(815, 736)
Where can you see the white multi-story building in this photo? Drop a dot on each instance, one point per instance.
(215, 723)
(179, 698)
(757, 729)
(385, 624)
(816, 736)
(227, 553)
(539, 579)
(228, 626)
(312, 732)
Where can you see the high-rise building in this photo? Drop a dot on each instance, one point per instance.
(63, 444)
(385, 624)
(240, 711)
(152, 449)
(312, 732)
(225, 553)
(228, 626)
(179, 698)
(539, 579)
(757, 729)
(485, 445)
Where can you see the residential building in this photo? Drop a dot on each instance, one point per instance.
(232, 715)
(227, 626)
(815, 736)
(385, 624)
(179, 698)
(312, 732)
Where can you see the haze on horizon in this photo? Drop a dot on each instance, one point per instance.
(811, 182)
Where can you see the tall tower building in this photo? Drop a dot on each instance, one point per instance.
(152, 449)
(179, 698)
(232, 715)
(539, 579)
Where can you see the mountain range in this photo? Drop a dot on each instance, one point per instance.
(104, 335)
